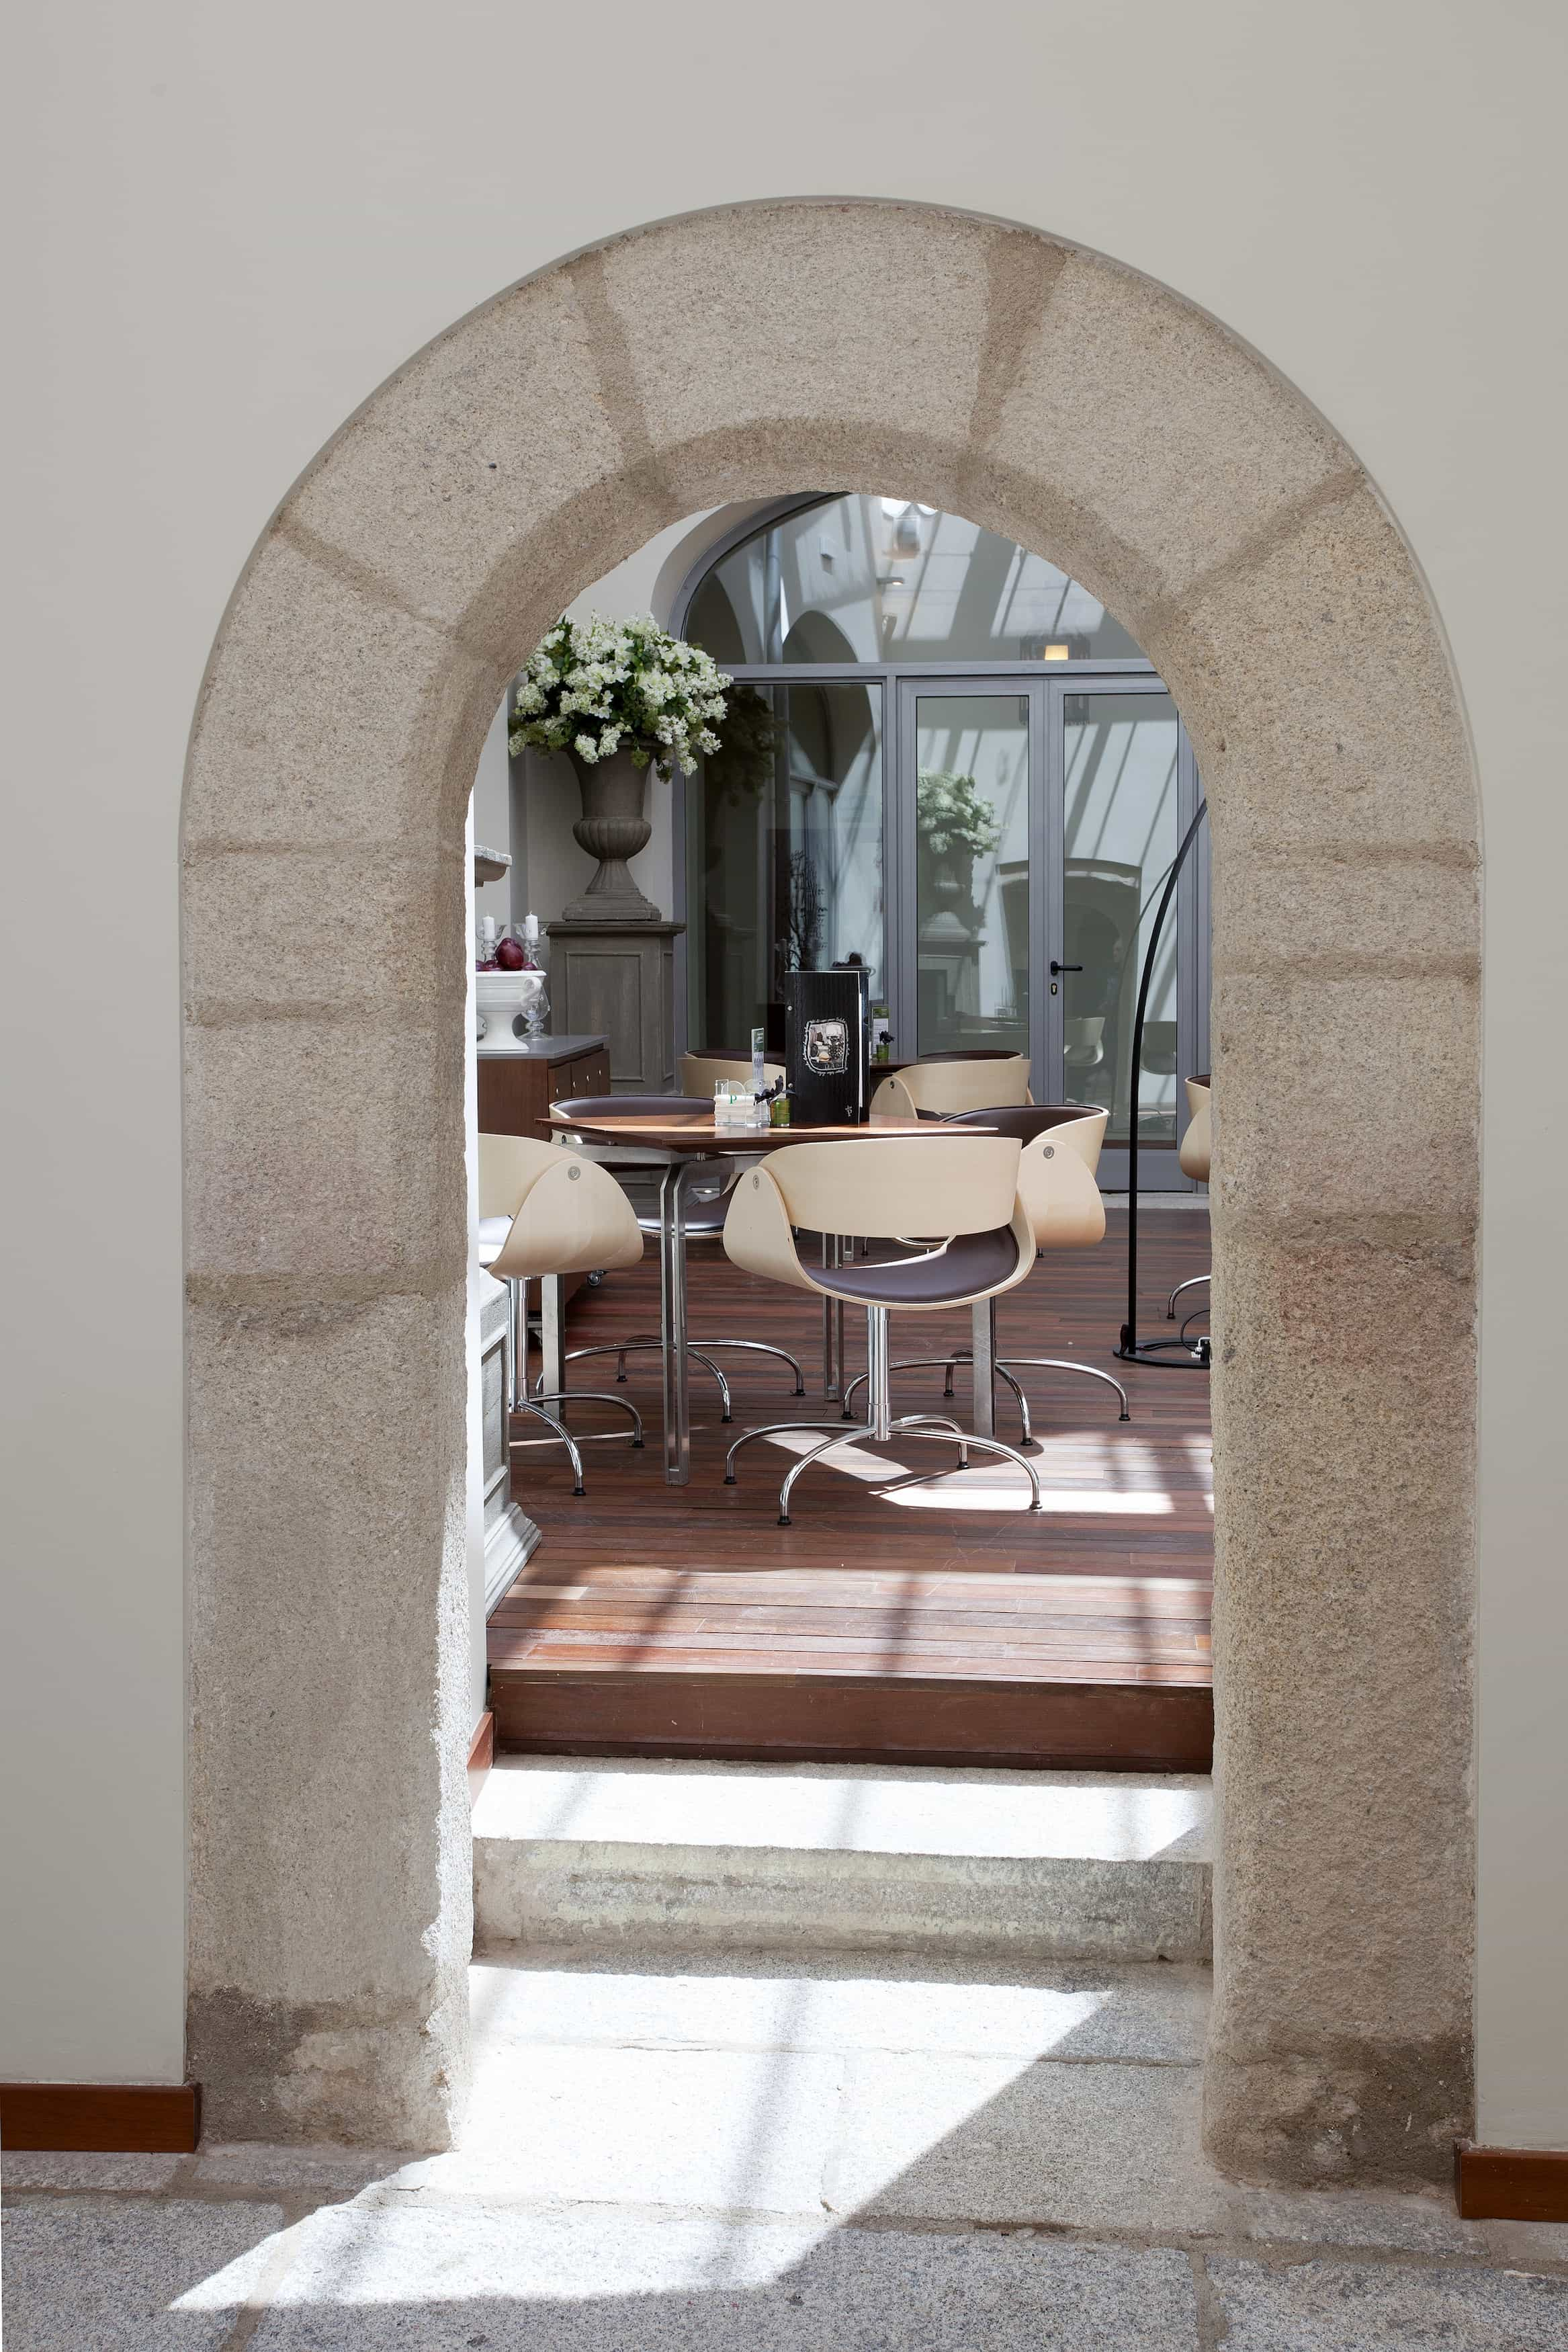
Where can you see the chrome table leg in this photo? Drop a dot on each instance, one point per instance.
(832, 1323)
(673, 1325)
(552, 1332)
(983, 1320)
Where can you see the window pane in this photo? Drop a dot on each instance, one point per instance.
(784, 853)
(868, 580)
(1121, 837)
(971, 870)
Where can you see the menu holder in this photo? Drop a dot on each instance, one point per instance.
(827, 1047)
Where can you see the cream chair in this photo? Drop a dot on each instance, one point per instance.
(1082, 1042)
(944, 1089)
(1059, 1153)
(1193, 1157)
(700, 1073)
(1194, 1152)
(545, 1212)
(959, 1194)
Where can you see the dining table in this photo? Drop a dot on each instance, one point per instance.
(683, 1149)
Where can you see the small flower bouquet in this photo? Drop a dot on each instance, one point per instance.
(951, 813)
(596, 686)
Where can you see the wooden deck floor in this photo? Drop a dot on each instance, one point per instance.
(929, 1622)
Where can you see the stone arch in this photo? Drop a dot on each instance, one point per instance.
(1091, 413)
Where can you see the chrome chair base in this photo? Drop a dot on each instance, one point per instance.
(1004, 1368)
(518, 1401)
(563, 1436)
(618, 1348)
(699, 1348)
(879, 1427)
(1192, 1283)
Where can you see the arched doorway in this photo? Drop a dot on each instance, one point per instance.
(1076, 408)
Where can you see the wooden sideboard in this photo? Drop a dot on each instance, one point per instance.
(516, 1089)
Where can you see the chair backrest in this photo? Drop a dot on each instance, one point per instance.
(569, 1217)
(700, 1073)
(944, 1089)
(1194, 1152)
(895, 1186)
(1056, 1173)
(665, 1106)
(1083, 1041)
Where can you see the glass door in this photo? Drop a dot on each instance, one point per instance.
(972, 927)
(783, 847)
(1033, 830)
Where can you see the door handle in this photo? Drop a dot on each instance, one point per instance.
(1056, 967)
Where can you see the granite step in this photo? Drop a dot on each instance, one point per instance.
(684, 1856)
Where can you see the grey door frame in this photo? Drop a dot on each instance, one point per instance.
(1047, 698)
(1046, 692)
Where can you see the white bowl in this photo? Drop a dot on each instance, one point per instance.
(499, 997)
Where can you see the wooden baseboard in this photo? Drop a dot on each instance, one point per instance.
(1511, 2184)
(481, 1753)
(119, 2118)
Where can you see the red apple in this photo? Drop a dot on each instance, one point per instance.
(509, 955)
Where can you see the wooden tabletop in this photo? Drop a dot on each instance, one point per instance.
(702, 1138)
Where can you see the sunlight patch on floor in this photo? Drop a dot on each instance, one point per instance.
(1007, 1490)
(995, 1485)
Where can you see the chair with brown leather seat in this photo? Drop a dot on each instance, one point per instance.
(950, 1230)
(544, 1212)
(1059, 1153)
(951, 1083)
(705, 1201)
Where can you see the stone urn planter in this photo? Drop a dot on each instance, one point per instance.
(611, 828)
(949, 894)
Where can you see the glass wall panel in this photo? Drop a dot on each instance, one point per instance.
(1120, 833)
(784, 853)
(866, 579)
(971, 871)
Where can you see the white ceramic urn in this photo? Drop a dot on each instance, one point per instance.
(499, 997)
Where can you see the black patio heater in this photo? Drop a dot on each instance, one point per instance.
(1181, 1355)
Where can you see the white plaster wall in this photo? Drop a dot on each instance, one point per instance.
(230, 226)
(491, 811)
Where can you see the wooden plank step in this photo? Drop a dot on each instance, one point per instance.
(831, 1717)
(682, 1622)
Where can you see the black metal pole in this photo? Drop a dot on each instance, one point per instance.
(1128, 1346)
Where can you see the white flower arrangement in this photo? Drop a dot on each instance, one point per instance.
(595, 685)
(951, 811)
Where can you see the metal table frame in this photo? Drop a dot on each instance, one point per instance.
(678, 1168)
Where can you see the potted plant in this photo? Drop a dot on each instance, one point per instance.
(955, 823)
(618, 698)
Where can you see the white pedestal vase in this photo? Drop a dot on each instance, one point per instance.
(499, 997)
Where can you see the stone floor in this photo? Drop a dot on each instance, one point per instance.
(835, 2156)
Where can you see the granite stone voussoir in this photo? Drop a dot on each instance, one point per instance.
(1185, 442)
(332, 716)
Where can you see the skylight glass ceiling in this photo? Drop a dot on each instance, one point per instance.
(868, 579)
